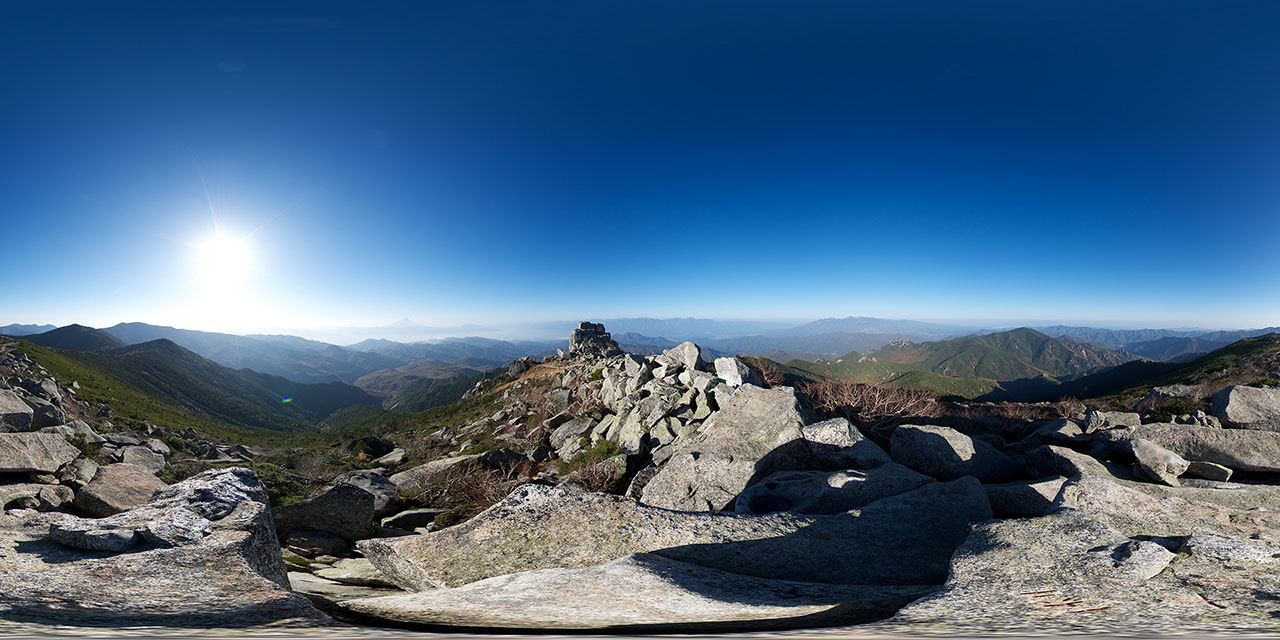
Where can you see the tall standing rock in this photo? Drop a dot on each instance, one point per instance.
(591, 340)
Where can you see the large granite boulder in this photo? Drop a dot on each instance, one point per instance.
(116, 488)
(344, 510)
(735, 372)
(1237, 449)
(1155, 463)
(34, 452)
(685, 354)
(376, 484)
(755, 433)
(837, 444)
(1248, 407)
(426, 476)
(15, 415)
(204, 553)
(639, 592)
(1025, 498)
(947, 454)
(902, 540)
(827, 492)
(1069, 572)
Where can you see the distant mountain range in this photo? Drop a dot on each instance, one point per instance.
(160, 372)
(971, 366)
(24, 329)
(1159, 344)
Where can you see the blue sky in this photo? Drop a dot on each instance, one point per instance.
(1113, 164)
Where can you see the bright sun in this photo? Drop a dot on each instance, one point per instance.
(223, 260)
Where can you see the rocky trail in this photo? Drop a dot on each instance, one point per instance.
(652, 495)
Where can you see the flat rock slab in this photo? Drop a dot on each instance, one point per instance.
(116, 488)
(902, 540)
(640, 592)
(1067, 571)
(34, 452)
(1238, 449)
(231, 577)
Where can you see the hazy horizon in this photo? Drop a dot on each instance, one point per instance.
(242, 167)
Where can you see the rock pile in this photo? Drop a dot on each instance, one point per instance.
(725, 477)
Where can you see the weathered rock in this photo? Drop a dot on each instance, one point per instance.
(412, 519)
(1229, 549)
(424, 476)
(821, 492)
(947, 454)
(376, 484)
(735, 372)
(116, 488)
(21, 495)
(1208, 471)
(1024, 499)
(316, 543)
(143, 457)
(1061, 572)
(905, 539)
(685, 354)
(1244, 407)
(54, 498)
(1122, 418)
(38, 452)
(232, 576)
(15, 415)
(1154, 462)
(78, 472)
(343, 510)
(356, 571)
(639, 592)
(754, 434)
(837, 444)
(1238, 449)
(1142, 509)
(371, 446)
(519, 366)
(591, 340)
(395, 457)
(1049, 460)
(47, 415)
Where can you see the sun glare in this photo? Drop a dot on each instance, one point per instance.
(223, 260)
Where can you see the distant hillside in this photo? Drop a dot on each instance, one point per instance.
(469, 352)
(75, 337)
(1115, 338)
(25, 329)
(971, 366)
(163, 372)
(290, 357)
(1243, 362)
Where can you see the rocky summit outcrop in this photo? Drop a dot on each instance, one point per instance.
(756, 433)
(591, 340)
(1243, 407)
(902, 540)
(201, 553)
(640, 592)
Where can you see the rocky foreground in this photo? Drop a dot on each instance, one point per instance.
(727, 507)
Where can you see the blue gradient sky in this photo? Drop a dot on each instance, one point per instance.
(1103, 163)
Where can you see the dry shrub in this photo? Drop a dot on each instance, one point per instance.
(769, 370)
(877, 407)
